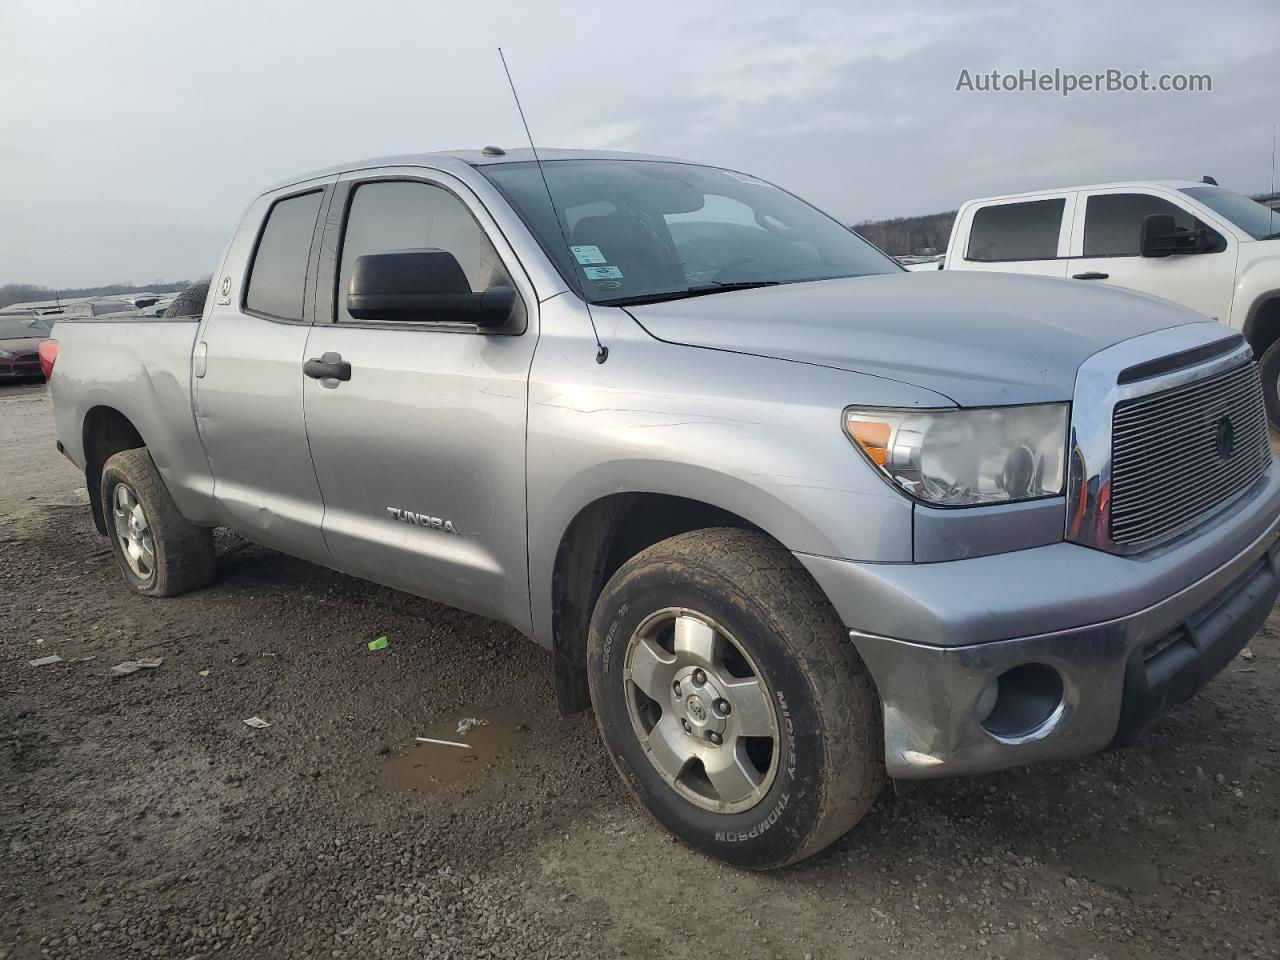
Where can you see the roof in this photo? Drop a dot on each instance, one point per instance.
(443, 159)
(1120, 184)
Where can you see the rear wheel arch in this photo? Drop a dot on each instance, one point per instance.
(603, 536)
(105, 432)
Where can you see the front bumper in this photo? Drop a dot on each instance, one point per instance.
(1117, 671)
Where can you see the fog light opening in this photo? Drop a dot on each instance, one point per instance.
(1021, 700)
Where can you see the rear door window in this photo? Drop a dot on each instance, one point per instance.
(1016, 231)
(278, 274)
(1113, 222)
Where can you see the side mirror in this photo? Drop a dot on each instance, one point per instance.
(423, 286)
(1161, 237)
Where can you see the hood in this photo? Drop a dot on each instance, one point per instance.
(977, 338)
(23, 345)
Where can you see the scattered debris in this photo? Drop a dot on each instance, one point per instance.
(257, 723)
(443, 743)
(465, 725)
(203, 673)
(44, 661)
(133, 666)
(379, 644)
(1246, 654)
(84, 659)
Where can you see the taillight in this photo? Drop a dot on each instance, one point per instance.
(48, 351)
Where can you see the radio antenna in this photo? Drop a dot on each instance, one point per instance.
(1275, 200)
(602, 352)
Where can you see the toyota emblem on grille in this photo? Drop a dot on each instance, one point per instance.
(1226, 438)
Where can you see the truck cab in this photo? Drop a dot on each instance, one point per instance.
(1208, 248)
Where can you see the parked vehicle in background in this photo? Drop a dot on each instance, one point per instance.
(918, 263)
(20, 339)
(790, 518)
(1191, 242)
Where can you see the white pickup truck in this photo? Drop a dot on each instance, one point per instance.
(1192, 242)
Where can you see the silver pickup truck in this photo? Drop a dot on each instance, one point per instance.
(790, 519)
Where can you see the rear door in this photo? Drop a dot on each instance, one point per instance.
(420, 455)
(248, 375)
(1107, 250)
(1027, 235)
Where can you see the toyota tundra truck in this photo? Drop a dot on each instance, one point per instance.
(790, 519)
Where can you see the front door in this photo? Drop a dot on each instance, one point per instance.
(420, 455)
(249, 382)
(1107, 250)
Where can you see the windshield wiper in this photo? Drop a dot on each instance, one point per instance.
(687, 292)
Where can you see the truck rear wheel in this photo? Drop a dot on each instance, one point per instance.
(731, 700)
(160, 552)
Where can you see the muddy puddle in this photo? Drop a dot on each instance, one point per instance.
(424, 767)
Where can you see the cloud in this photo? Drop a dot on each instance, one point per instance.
(141, 129)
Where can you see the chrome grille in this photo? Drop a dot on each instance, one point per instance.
(1167, 464)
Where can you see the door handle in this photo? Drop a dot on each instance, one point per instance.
(1091, 275)
(330, 366)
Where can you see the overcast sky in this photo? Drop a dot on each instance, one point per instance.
(134, 132)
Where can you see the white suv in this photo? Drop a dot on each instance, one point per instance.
(1191, 242)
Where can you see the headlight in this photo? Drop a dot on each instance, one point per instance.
(958, 458)
(5, 355)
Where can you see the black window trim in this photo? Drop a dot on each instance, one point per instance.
(1009, 203)
(1084, 225)
(324, 189)
(349, 188)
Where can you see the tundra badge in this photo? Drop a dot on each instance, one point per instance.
(422, 520)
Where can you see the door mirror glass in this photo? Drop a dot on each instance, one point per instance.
(1161, 237)
(423, 286)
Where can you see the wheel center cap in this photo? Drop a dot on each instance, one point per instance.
(696, 709)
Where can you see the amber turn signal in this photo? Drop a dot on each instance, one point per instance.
(873, 437)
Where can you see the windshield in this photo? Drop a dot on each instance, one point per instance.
(19, 328)
(1255, 219)
(647, 230)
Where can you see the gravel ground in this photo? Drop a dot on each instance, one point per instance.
(140, 817)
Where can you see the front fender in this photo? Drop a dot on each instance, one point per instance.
(758, 437)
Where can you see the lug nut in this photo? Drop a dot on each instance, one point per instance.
(688, 728)
(715, 738)
(675, 687)
(722, 707)
(699, 678)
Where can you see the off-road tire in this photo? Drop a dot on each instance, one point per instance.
(831, 766)
(184, 555)
(1269, 373)
(190, 302)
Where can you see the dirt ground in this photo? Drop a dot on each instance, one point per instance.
(140, 816)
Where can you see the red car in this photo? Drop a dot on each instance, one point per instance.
(20, 339)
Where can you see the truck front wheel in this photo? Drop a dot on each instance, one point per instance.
(731, 700)
(160, 552)
(1269, 373)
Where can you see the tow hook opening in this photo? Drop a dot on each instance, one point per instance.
(1021, 701)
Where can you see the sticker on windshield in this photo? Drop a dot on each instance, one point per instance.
(602, 273)
(588, 253)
